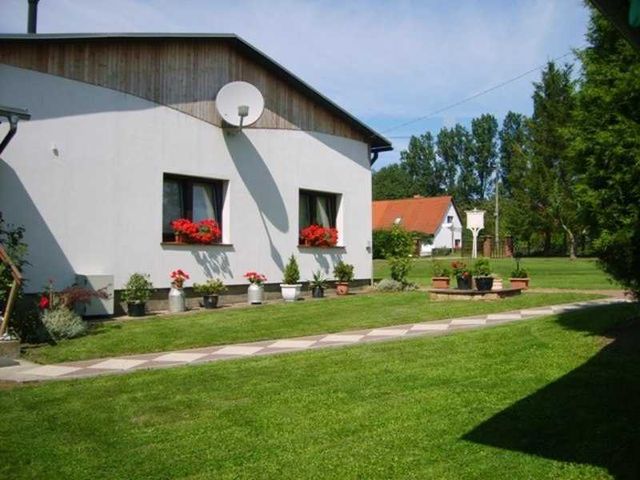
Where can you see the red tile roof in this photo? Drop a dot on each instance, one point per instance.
(418, 214)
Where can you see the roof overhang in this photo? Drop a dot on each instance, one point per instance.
(617, 12)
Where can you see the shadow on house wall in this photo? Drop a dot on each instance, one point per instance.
(45, 255)
(589, 416)
(261, 185)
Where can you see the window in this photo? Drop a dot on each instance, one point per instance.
(192, 198)
(449, 219)
(317, 208)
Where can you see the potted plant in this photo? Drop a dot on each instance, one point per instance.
(344, 274)
(482, 274)
(291, 288)
(136, 292)
(206, 232)
(177, 302)
(519, 276)
(319, 236)
(256, 289)
(210, 292)
(441, 275)
(318, 284)
(183, 228)
(463, 275)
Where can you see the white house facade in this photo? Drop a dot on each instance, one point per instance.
(98, 172)
(448, 234)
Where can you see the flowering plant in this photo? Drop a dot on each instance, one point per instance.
(184, 226)
(178, 278)
(207, 231)
(255, 277)
(69, 297)
(460, 269)
(318, 236)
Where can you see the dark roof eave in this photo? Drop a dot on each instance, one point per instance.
(377, 141)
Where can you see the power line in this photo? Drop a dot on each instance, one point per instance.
(476, 95)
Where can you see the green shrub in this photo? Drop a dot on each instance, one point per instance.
(62, 323)
(291, 272)
(440, 270)
(213, 286)
(440, 252)
(319, 280)
(11, 240)
(519, 272)
(482, 268)
(381, 239)
(138, 288)
(343, 272)
(388, 285)
(399, 268)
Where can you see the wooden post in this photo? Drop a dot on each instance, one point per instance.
(17, 280)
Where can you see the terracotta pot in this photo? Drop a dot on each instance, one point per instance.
(519, 283)
(342, 288)
(440, 282)
(181, 238)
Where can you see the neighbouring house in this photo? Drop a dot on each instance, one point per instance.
(125, 137)
(435, 219)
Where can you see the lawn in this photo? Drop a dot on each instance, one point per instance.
(582, 273)
(235, 325)
(554, 398)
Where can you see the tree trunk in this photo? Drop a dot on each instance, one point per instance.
(547, 242)
(572, 242)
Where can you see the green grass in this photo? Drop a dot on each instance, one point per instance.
(235, 325)
(582, 273)
(543, 399)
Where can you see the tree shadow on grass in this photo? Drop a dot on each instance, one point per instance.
(592, 414)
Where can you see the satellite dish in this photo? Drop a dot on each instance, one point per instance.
(239, 104)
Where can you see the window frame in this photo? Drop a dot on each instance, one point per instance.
(186, 186)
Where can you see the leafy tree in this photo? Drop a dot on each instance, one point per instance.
(391, 182)
(420, 163)
(514, 146)
(484, 131)
(399, 248)
(606, 146)
(454, 150)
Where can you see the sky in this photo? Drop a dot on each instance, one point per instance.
(386, 62)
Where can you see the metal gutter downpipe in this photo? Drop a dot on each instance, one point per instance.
(32, 23)
(13, 126)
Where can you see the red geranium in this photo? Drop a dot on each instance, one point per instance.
(43, 304)
(178, 278)
(207, 231)
(255, 277)
(318, 236)
(184, 226)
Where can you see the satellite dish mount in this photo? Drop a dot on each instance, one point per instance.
(240, 104)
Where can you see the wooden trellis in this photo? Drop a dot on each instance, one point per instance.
(13, 293)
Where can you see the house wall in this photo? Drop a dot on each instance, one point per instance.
(442, 237)
(84, 177)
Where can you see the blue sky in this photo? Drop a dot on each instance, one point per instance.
(387, 62)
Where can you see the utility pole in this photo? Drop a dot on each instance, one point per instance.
(497, 208)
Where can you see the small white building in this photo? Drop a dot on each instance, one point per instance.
(125, 137)
(436, 218)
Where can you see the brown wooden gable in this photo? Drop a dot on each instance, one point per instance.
(182, 73)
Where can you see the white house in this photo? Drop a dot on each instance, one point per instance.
(125, 137)
(435, 217)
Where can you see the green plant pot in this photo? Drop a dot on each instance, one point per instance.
(136, 309)
(484, 284)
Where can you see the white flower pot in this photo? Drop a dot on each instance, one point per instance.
(176, 300)
(290, 293)
(254, 294)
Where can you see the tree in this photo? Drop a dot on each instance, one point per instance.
(606, 146)
(514, 146)
(550, 180)
(484, 131)
(391, 182)
(454, 150)
(420, 163)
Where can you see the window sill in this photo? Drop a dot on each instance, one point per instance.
(201, 245)
(315, 247)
